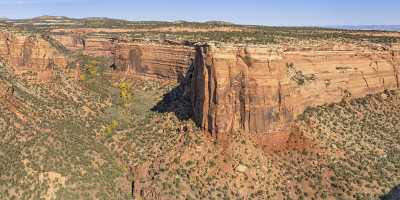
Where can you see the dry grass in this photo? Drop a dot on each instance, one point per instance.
(54, 143)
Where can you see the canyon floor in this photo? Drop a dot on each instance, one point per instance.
(69, 140)
(115, 135)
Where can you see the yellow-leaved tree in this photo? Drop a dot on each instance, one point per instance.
(125, 93)
(109, 130)
(92, 68)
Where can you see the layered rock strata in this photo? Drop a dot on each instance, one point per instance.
(29, 52)
(259, 89)
(262, 90)
(165, 61)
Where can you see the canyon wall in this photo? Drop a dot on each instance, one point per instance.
(23, 51)
(161, 61)
(259, 89)
(164, 61)
(263, 89)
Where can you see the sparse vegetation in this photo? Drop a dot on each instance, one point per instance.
(103, 136)
(298, 76)
(218, 32)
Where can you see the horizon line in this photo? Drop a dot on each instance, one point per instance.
(198, 21)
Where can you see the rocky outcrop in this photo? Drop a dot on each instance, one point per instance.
(165, 61)
(29, 52)
(263, 89)
(259, 89)
(155, 60)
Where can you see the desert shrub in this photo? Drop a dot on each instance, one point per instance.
(298, 76)
(110, 129)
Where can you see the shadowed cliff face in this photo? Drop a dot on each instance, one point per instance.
(262, 90)
(135, 60)
(394, 194)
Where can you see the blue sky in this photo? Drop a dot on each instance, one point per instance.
(266, 12)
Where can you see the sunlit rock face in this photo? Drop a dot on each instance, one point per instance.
(164, 61)
(161, 61)
(29, 52)
(263, 89)
(258, 89)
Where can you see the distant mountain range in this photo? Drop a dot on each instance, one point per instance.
(63, 18)
(368, 27)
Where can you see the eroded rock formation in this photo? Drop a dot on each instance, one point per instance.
(259, 89)
(165, 61)
(161, 61)
(262, 89)
(29, 52)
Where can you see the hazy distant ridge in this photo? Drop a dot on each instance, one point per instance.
(369, 27)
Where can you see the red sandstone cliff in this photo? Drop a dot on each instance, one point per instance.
(23, 51)
(258, 89)
(165, 61)
(261, 89)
